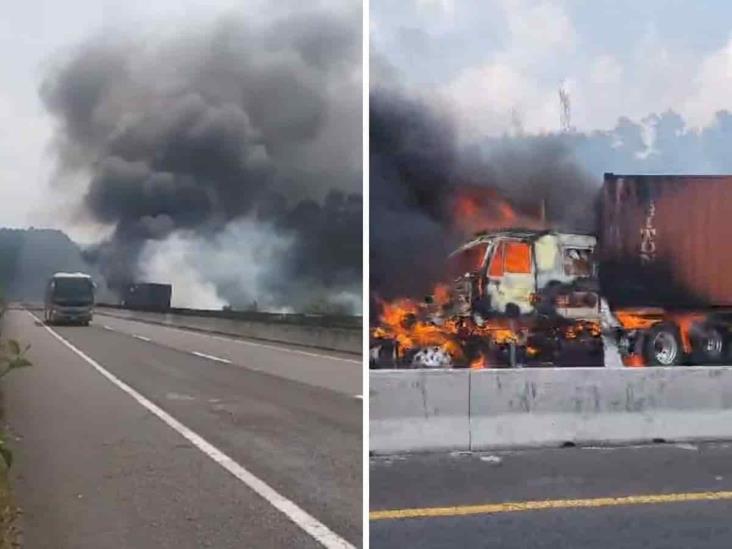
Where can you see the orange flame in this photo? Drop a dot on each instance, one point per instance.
(404, 320)
(632, 319)
(478, 208)
(479, 363)
(400, 321)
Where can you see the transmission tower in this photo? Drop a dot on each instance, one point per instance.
(565, 111)
(517, 125)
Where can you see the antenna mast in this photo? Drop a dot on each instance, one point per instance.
(565, 111)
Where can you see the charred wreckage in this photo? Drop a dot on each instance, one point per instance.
(655, 284)
(518, 296)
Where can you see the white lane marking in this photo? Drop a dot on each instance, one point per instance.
(286, 350)
(108, 328)
(319, 531)
(178, 396)
(245, 342)
(207, 356)
(211, 357)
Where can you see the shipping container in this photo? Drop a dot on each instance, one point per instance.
(147, 296)
(664, 240)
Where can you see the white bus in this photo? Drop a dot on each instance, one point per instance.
(69, 299)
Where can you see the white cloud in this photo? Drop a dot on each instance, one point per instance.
(485, 97)
(538, 29)
(22, 177)
(447, 7)
(543, 49)
(605, 70)
(711, 88)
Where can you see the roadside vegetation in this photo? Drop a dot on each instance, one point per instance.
(12, 357)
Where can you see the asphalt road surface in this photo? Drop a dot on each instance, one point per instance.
(139, 436)
(339, 372)
(661, 497)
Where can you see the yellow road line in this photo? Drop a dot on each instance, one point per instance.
(512, 507)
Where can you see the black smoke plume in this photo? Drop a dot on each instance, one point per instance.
(418, 168)
(192, 132)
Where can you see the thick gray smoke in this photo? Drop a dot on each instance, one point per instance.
(419, 167)
(418, 170)
(216, 131)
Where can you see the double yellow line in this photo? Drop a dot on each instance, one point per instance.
(513, 507)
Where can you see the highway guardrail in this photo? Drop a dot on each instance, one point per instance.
(338, 333)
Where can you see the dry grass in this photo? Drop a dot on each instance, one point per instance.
(9, 512)
(9, 537)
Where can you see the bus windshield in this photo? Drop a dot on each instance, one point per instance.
(79, 290)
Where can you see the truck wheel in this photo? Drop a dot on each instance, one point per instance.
(662, 346)
(432, 357)
(383, 356)
(708, 347)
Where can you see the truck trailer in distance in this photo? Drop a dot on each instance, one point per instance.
(147, 296)
(69, 299)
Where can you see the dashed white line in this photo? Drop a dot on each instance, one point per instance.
(309, 524)
(286, 350)
(211, 357)
(359, 397)
(246, 342)
(108, 328)
(142, 338)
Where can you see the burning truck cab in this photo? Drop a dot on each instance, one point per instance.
(522, 272)
(656, 284)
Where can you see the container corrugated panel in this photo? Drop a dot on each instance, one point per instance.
(665, 240)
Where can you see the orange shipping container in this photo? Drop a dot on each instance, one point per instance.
(665, 240)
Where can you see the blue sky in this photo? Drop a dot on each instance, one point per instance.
(486, 59)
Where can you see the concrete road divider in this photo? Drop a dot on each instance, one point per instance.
(277, 329)
(586, 406)
(419, 410)
(553, 407)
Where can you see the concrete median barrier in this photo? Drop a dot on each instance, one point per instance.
(345, 339)
(605, 406)
(419, 410)
(553, 407)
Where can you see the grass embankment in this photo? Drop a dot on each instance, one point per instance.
(8, 511)
(9, 537)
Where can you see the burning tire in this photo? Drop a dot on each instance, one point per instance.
(662, 346)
